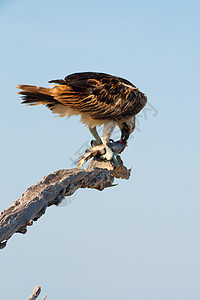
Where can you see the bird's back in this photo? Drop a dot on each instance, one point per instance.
(97, 96)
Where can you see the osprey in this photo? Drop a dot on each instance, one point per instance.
(100, 99)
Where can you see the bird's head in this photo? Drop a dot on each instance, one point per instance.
(126, 128)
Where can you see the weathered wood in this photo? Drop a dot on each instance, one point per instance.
(35, 293)
(51, 190)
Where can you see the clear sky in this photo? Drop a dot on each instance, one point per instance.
(139, 240)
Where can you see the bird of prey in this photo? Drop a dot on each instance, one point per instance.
(100, 99)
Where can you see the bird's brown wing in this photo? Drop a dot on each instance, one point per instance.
(100, 96)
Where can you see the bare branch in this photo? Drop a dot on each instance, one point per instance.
(35, 293)
(51, 190)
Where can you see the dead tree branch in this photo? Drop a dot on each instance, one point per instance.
(51, 190)
(35, 293)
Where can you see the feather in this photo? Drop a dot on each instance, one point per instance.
(95, 96)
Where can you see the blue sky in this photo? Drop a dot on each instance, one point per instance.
(139, 240)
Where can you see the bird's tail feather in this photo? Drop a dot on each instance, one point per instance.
(33, 95)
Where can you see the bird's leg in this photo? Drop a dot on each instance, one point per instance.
(104, 146)
(107, 131)
(94, 132)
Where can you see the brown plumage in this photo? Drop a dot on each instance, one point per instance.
(99, 98)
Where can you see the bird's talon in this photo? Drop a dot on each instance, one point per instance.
(111, 141)
(93, 143)
(107, 156)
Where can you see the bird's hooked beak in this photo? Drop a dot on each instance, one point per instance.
(125, 132)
